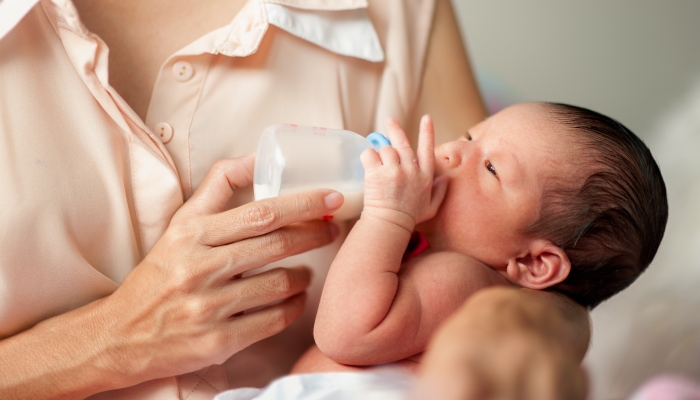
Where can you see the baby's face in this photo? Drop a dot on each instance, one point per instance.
(497, 174)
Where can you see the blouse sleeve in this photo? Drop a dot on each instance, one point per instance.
(404, 28)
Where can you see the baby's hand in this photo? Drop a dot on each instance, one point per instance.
(398, 185)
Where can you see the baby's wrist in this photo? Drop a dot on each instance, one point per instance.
(396, 217)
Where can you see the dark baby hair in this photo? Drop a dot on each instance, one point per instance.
(611, 225)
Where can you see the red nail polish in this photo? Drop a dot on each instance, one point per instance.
(327, 217)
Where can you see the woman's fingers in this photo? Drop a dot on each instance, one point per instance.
(249, 328)
(217, 188)
(259, 290)
(244, 255)
(426, 145)
(260, 217)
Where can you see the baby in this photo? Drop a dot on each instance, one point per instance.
(539, 196)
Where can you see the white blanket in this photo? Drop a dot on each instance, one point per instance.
(379, 384)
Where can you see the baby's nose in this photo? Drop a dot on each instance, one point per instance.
(447, 156)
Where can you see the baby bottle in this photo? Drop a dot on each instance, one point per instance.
(293, 158)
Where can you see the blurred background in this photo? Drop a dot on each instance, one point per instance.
(637, 61)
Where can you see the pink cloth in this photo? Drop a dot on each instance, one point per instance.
(416, 246)
(668, 387)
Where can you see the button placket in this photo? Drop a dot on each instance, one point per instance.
(164, 131)
(173, 103)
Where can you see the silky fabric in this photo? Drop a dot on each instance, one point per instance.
(378, 383)
(88, 187)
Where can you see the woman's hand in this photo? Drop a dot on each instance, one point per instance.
(507, 343)
(184, 306)
(399, 185)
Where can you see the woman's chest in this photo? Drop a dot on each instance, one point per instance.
(141, 35)
(92, 186)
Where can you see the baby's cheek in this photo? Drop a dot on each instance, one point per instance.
(428, 227)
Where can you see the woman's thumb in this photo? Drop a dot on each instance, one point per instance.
(216, 189)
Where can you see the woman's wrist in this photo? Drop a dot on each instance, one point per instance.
(113, 358)
(64, 356)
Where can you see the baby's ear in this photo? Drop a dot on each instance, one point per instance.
(545, 265)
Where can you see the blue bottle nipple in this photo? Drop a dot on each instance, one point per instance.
(377, 140)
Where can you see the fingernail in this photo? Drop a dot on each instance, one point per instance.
(424, 119)
(327, 217)
(334, 200)
(335, 231)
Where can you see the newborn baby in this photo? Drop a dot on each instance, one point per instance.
(539, 196)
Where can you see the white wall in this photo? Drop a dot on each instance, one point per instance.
(626, 58)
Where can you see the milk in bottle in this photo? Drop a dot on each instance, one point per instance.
(293, 158)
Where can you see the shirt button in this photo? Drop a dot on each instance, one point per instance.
(164, 131)
(183, 71)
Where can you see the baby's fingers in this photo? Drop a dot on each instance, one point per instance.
(426, 144)
(399, 141)
(370, 158)
(437, 195)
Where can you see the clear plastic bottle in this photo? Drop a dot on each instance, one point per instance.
(293, 158)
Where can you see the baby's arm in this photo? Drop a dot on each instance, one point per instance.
(372, 309)
(426, 291)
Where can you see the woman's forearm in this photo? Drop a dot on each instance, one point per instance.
(510, 343)
(546, 315)
(449, 92)
(62, 357)
(549, 315)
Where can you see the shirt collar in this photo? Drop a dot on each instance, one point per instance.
(341, 26)
(348, 32)
(11, 12)
(63, 14)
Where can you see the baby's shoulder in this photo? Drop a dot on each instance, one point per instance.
(448, 256)
(453, 265)
(445, 279)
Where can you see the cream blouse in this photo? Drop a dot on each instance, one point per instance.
(87, 187)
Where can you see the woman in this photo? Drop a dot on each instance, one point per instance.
(109, 281)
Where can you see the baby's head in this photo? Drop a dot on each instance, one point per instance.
(553, 196)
